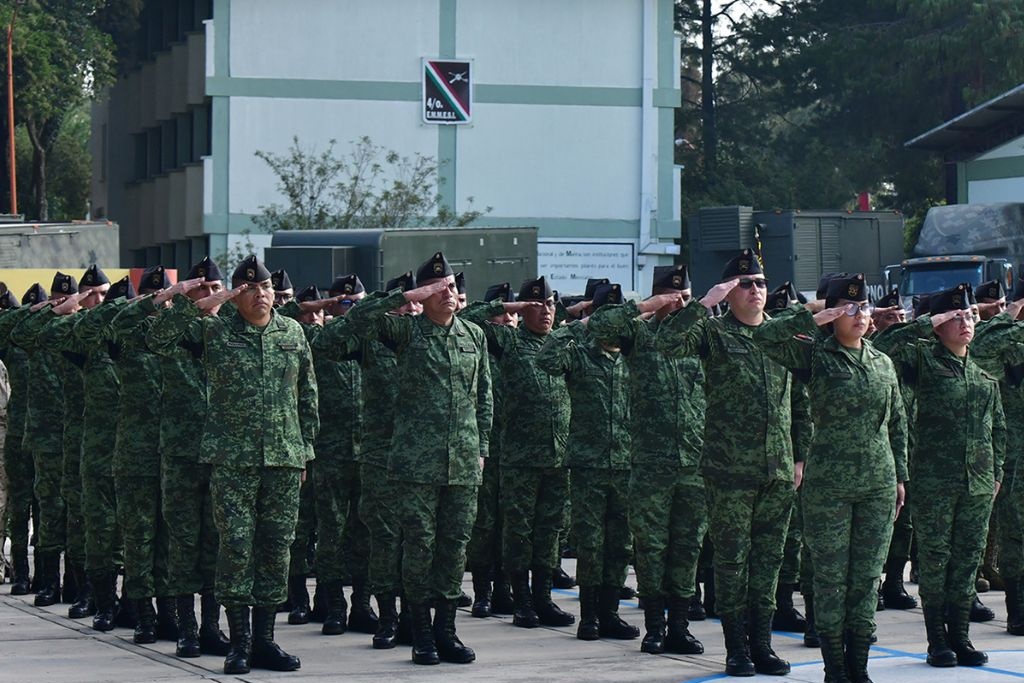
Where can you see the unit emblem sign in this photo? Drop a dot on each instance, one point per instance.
(447, 91)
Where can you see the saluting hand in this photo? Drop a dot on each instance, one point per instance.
(520, 306)
(1014, 308)
(427, 291)
(816, 306)
(41, 304)
(576, 310)
(828, 315)
(943, 318)
(207, 304)
(717, 294)
(182, 287)
(319, 304)
(70, 304)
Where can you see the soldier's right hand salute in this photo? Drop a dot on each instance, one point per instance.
(717, 294)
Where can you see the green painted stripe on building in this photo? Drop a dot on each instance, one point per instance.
(447, 135)
(591, 96)
(666, 98)
(666, 157)
(994, 169)
(666, 45)
(222, 38)
(310, 89)
(446, 22)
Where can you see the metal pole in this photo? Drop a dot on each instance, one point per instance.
(11, 156)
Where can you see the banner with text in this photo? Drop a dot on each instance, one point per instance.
(567, 264)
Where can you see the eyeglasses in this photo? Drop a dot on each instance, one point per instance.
(747, 283)
(965, 316)
(855, 309)
(346, 302)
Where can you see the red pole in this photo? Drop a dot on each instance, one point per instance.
(11, 157)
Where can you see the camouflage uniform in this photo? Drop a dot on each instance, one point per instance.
(17, 460)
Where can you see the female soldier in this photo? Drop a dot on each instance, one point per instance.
(854, 474)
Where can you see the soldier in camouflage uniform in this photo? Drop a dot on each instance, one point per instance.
(444, 398)
(260, 429)
(533, 480)
(748, 457)
(598, 457)
(667, 504)
(956, 467)
(853, 485)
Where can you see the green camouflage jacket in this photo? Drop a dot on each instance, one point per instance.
(17, 363)
(46, 383)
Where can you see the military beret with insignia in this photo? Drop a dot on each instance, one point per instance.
(952, 299)
(404, 282)
(34, 295)
(206, 269)
(889, 300)
(310, 293)
(501, 291)
(154, 279)
(460, 283)
(63, 284)
(675, 278)
(347, 284)
(8, 300)
(121, 288)
(535, 290)
(592, 284)
(742, 265)
(251, 270)
(781, 297)
(850, 288)
(822, 291)
(607, 294)
(990, 292)
(94, 277)
(280, 280)
(434, 268)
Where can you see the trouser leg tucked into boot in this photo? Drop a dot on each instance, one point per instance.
(737, 648)
(212, 640)
(69, 586)
(610, 624)
(834, 658)
(334, 621)
(810, 633)
(765, 660)
(481, 593)
(84, 604)
(362, 618)
(188, 629)
(266, 654)
(696, 610)
(49, 588)
(524, 616)
(588, 628)
(449, 647)
(501, 595)
(959, 640)
(386, 636)
(104, 587)
(298, 595)
(939, 652)
(166, 619)
(424, 648)
(857, 647)
(1014, 606)
(22, 582)
(240, 629)
(787, 617)
(145, 624)
(679, 639)
(547, 611)
(654, 625)
(893, 591)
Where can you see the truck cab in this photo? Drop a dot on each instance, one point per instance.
(928, 274)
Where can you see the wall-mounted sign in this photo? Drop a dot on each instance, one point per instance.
(447, 90)
(567, 264)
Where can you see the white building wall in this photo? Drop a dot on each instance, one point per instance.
(995, 191)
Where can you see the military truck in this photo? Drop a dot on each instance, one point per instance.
(962, 243)
(797, 246)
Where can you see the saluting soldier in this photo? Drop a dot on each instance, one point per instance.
(283, 289)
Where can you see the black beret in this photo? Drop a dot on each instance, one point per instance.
(501, 291)
(952, 299)
(743, 264)
(153, 279)
(671, 277)
(535, 290)
(404, 282)
(8, 300)
(94, 277)
(891, 299)
(822, 291)
(121, 288)
(310, 293)
(988, 292)
(280, 280)
(64, 284)
(206, 269)
(606, 294)
(592, 283)
(34, 294)
(781, 297)
(851, 288)
(460, 283)
(251, 270)
(346, 284)
(434, 268)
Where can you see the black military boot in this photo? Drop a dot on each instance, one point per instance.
(737, 649)
(609, 623)
(1014, 606)
(654, 625)
(49, 591)
(857, 647)
(939, 652)
(405, 636)
(320, 601)
(679, 640)
(695, 611)
(212, 640)
(362, 618)
(481, 593)
(449, 647)
(69, 587)
(893, 591)
(266, 654)
(560, 579)
(765, 660)
(387, 625)
(501, 596)
(106, 600)
(547, 611)
(959, 642)
(524, 616)
(36, 584)
(811, 638)
(127, 614)
(787, 617)
(589, 628)
(167, 619)
(334, 621)
(84, 604)
(834, 658)
(424, 648)
(979, 612)
(188, 629)
(145, 624)
(240, 629)
(21, 582)
(298, 595)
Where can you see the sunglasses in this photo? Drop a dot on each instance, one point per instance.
(855, 309)
(747, 283)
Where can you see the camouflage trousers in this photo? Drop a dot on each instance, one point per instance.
(436, 523)
(1009, 509)
(668, 515)
(145, 536)
(792, 552)
(953, 529)
(484, 549)
(748, 527)
(337, 486)
(806, 573)
(848, 537)
(71, 491)
(305, 529)
(188, 514)
(53, 516)
(532, 506)
(99, 513)
(20, 479)
(600, 525)
(4, 486)
(378, 510)
(255, 510)
(902, 534)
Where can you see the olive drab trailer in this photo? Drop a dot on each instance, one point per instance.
(797, 246)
